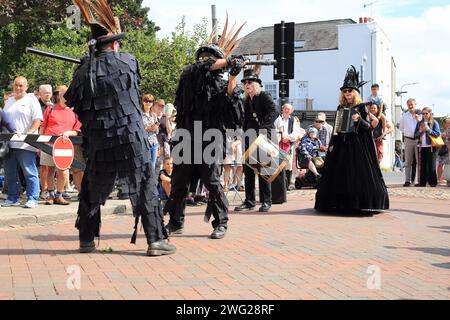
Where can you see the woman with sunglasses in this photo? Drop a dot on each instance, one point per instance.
(427, 153)
(352, 181)
(151, 126)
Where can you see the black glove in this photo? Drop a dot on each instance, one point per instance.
(231, 60)
(237, 63)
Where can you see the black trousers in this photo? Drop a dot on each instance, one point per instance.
(210, 177)
(288, 178)
(144, 201)
(413, 170)
(427, 166)
(250, 191)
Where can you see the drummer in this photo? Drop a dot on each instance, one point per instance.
(260, 115)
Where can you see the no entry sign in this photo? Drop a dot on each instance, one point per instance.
(63, 153)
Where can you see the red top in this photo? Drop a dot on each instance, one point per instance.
(60, 120)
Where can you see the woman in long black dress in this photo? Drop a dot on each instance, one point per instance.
(352, 179)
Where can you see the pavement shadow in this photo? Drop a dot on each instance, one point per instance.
(311, 212)
(421, 213)
(442, 265)
(445, 228)
(445, 252)
(27, 252)
(192, 236)
(64, 238)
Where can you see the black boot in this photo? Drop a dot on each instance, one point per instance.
(219, 232)
(288, 179)
(265, 207)
(244, 207)
(160, 248)
(171, 229)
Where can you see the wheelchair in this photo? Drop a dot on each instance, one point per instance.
(307, 179)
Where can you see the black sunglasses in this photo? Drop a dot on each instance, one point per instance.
(347, 90)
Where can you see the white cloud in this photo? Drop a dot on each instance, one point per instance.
(420, 44)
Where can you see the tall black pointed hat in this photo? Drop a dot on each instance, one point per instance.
(352, 80)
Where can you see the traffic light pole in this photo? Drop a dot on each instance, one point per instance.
(282, 66)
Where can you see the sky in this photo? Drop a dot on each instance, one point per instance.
(419, 31)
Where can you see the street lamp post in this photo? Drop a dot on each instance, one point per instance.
(401, 92)
(364, 60)
(397, 113)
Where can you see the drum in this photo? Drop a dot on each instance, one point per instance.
(265, 158)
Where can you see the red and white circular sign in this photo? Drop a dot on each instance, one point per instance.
(63, 153)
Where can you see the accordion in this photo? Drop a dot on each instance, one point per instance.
(344, 123)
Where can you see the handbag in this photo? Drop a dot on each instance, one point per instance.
(318, 162)
(436, 141)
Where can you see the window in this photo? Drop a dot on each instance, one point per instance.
(272, 88)
(299, 44)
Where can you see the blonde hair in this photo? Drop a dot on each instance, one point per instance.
(58, 91)
(430, 111)
(356, 99)
(258, 89)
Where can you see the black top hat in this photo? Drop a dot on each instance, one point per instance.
(351, 80)
(250, 75)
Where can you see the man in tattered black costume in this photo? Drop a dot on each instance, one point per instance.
(204, 97)
(104, 95)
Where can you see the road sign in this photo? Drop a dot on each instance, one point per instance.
(63, 153)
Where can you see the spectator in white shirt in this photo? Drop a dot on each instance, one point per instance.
(289, 129)
(25, 112)
(408, 124)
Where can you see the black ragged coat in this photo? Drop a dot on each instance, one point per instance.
(112, 125)
(266, 113)
(202, 96)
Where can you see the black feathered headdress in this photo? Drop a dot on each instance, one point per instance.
(352, 81)
(105, 27)
(228, 42)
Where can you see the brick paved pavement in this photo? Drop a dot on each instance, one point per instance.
(290, 253)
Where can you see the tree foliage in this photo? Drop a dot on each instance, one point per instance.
(161, 61)
(38, 22)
